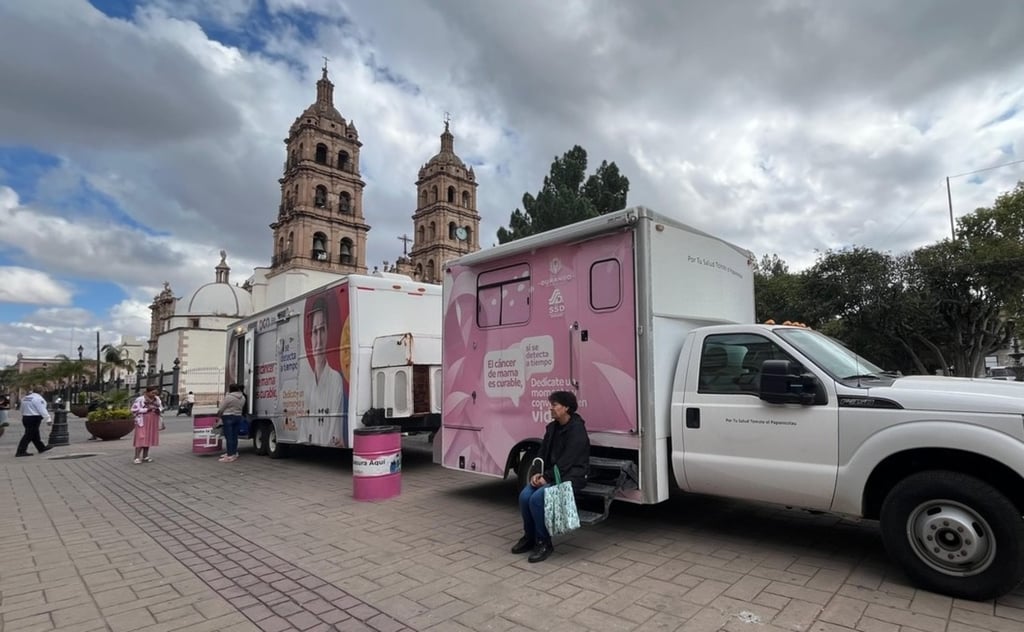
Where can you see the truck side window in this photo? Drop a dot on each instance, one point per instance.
(731, 363)
(503, 296)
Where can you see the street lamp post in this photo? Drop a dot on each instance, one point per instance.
(59, 429)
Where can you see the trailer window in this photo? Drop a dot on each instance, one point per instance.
(503, 296)
(380, 390)
(605, 285)
(401, 392)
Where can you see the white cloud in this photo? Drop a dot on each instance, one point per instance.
(131, 318)
(788, 126)
(31, 287)
(63, 317)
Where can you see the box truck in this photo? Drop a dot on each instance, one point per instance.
(648, 322)
(361, 351)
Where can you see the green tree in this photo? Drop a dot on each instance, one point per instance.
(975, 285)
(862, 297)
(778, 293)
(568, 196)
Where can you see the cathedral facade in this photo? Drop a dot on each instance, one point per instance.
(320, 230)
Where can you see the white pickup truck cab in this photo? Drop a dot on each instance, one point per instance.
(787, 415)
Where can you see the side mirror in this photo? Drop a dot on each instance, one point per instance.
(783, 382)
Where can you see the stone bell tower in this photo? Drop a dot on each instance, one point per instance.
(320, 223)
(446, 222)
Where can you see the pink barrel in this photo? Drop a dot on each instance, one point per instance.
(203, 439)
(377, 463)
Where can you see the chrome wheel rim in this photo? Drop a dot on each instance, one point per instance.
(951, 538)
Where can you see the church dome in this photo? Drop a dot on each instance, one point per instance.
(447, 154)
(322, 111)
(218, 299)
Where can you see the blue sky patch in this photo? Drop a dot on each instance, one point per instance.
(22, 167)
(1005, 116)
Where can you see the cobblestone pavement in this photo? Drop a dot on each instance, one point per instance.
(187, 543)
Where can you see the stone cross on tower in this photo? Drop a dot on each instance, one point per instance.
(405, 239)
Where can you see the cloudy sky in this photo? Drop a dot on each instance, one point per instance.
(137, 139)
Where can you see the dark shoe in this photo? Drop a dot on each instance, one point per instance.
(25, 454)
(542, 552)
(524, 544)
(46, 449)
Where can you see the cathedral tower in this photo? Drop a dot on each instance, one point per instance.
(320, 223)
(446, 222)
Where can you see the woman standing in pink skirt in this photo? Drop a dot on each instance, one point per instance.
(148, 424)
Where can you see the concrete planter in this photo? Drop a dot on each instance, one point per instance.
(110, 430)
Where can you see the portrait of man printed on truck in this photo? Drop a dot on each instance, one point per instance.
(323, 385)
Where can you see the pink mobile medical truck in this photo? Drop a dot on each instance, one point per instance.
(648, 321)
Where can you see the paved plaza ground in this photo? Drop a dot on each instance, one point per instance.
(187, 543)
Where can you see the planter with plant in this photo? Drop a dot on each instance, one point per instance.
(113, 419)
(110, 424)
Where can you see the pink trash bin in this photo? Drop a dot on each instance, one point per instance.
(377, 462)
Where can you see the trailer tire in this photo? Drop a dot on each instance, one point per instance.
(275, 449)
(954, 534)
(526, 457)
(259, 438)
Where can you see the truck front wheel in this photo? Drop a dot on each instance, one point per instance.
(954, 534)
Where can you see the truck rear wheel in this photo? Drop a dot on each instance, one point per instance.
(954, 534)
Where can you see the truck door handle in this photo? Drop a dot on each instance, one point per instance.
(693, 418)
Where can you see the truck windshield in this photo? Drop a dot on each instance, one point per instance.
(834, 358)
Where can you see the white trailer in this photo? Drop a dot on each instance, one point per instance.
(362, 351)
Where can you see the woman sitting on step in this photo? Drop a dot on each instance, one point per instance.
(566, 445)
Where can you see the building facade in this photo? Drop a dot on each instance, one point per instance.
(446, 223)
(196, 335)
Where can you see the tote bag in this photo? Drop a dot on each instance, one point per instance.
(560, 515)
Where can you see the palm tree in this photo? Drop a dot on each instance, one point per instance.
(117, 359)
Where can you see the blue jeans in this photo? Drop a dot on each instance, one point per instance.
(231, 423)
(531, 505)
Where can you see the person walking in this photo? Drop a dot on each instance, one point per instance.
(230, 414)
(33, 412)
(147, 408)
(5, 406)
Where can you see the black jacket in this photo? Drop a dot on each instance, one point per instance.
(568, 447)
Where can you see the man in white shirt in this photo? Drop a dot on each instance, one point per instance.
(33, 412)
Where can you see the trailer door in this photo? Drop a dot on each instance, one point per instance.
(602, 334)
(249, 380)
